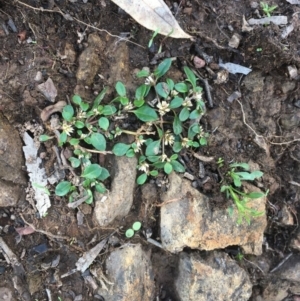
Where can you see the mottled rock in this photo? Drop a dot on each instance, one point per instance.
(290, 269)
(89, 61)
(276, 290)
(290, 121)
(288, 86)
(189, 221)
(130, 271)
(295, 242)
(211, 276)
(120, 198)
(6, 294)
(9, 194)
(254, 81)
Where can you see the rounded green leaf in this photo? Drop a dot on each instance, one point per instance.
(191, 76)
(63, 188)
(178, 166)
(184, 114)
(120, 88)
(100, 188)
(74, 141)
(162, 89)
(142, 179)
(195, 114)
(84, 106)
(142, 73)
(140, 92)
(176, 102)
(136, 226)
(170, 83)
(177, 126)
(181, 87)
(168, 168)
(153, 148)
(203, 141)
(129, 233)
(79, 124)
(68, 112)
(92, 171)
(62, 138)
(108, 110)
(163, 68)
(146, 113)
(44, 138)
(124, 101)
(120, 149)
(130, 153)
(98, 141)
(177, 147)
(74, 162)
(104, 174)
(153, 173)
(76, 99)
(91, 198)
(138, 102)
(103, 123)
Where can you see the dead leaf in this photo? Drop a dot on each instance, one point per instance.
(25, 230)
(153, 14)
(48, 89)
(58, 107)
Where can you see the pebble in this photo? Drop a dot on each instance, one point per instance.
(12, 217)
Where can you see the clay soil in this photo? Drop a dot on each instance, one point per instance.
(269, 106)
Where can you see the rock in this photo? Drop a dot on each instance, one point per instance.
(48, 89)
(89, 62)
(130, 271)
(190, 222)
(120, 199)
(254, 81)
(295, 242)
(11, 162)
(286, 217)
(290, 269)
(6, 294)
(211, 276)
(290, 121)
(288, 87)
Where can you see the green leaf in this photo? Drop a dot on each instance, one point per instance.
(124, 100)
(90, 194)
(120, 88)
(63, 188)
(153, 148)
(44, 138)
(100, 188)
(99, 98)
(68, 112)
(174, 157)
(162, 89)
(98, 141)
(84, 106)
(74, 141)
(146, 113)
(130, 153)
(163, 68)
(181, 87)
(255, 195)
(257, 174)
(191, 76)
(108, 110)
(76, 99)
(74, 162)
(79, 124)
(142, 179)
(138, 102)
(236, 180)
(177, 147)
(140, 92)
(92, 171)
(41, 187)
(176, 102)
(153, 159)
(242, 165)
(177, 126)
(168, 168)
(203, 141)
(136, 226)
(129, 233)
(170, 83)
(120, 149)
(177, 166)
(104, 174)
(62, 138)
(184, 114)
(153, 173)
(143, 73)
(103, 123)
(195, 114)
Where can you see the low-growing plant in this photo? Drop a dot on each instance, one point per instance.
(267, 9)
(136, 226)
(167, 120)
(233, 190)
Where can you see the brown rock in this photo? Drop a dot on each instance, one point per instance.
(211, 276)
(89, 62)
(11, 159)
(9, 194)
(190, 222)
(130, 271)
(120, 199)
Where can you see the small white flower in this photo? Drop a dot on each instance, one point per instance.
(169, 138)
(174, 93)
(81, 114)
(184, 142)
(128, 107)
(164, 158)
(197, 95)
(67, 128)
(187, 102)
(140, 141)
(163, 108)
(144, 167)
(150, 81)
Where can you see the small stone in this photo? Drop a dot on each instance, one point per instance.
(234, 42)
(290, 121)
(293, 72)
(288, 86)
(187, 10)
(12, 217)
(198, 63)
(286, 216)
(38, 76)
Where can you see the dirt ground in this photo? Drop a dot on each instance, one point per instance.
(269, 107)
